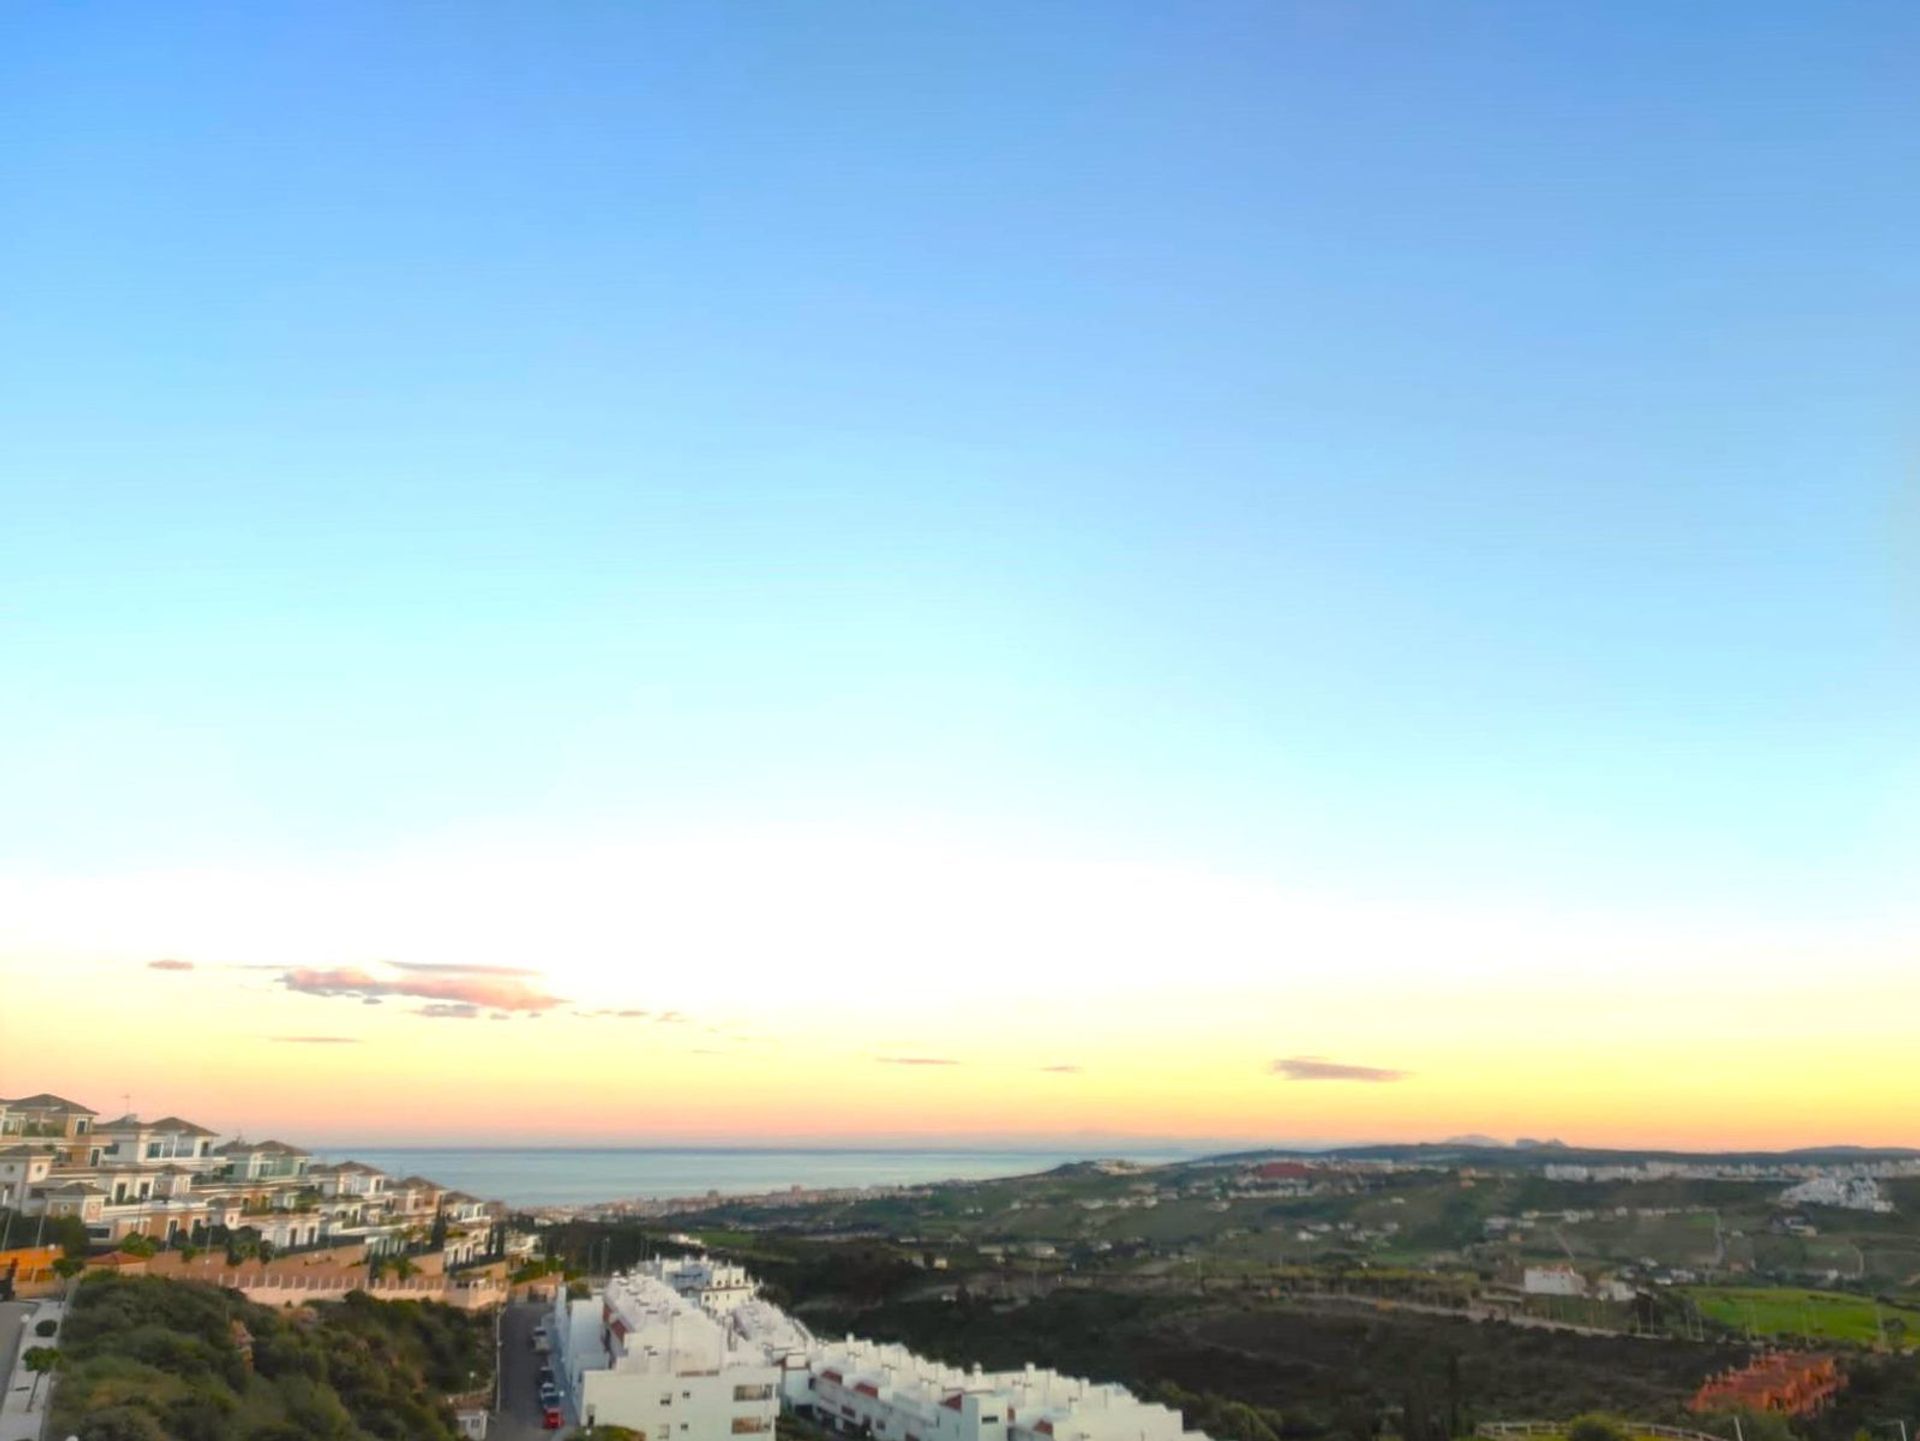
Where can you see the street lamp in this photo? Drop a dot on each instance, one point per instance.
(1896, 1422)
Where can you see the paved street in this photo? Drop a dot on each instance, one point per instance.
(519, 1415)
(16, 1382)
(13, 1317)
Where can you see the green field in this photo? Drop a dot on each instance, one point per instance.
(1809, 1315)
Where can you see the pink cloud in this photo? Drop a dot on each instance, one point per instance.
(495, 992)
(1312, 1068)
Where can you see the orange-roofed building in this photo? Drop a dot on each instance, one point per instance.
(28, 1270)
(1788, 1382)
(1285, 1171)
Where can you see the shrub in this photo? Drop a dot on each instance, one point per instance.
(1595, 1427)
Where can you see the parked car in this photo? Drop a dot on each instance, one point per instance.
(550, 1419)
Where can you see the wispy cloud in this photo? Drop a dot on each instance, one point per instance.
(449, 1010)
(669, 1018)
(1313, 1068)
(316, 1040)
(498, 993)
(1062, 1070)
(457, 969)
(916, 1061)
(169, 965)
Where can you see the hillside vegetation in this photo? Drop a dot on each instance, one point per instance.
(147, 1359)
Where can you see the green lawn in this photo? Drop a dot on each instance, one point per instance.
(1815, 1315)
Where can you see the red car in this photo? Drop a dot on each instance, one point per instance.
(550, 1418)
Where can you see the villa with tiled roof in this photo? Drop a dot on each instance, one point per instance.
(174, 1180)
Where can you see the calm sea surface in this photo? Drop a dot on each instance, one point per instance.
(555, 1177)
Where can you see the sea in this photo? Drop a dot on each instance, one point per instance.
(557, 1176)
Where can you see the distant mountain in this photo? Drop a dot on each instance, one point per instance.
(1528, 1155)
(1484, 1143)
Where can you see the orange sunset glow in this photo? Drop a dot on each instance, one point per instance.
(887, 990)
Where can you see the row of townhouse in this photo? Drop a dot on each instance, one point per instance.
(172, 1180)
(685, 1350)
(889, 1393)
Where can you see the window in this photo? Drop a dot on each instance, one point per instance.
(750, 1425)
(753, 1393)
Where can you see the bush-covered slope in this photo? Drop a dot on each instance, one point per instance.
(147, 1359)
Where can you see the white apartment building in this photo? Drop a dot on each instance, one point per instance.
(641, 1355)
(263, 1161)
(717, 1287)
(130, 1141)
(1553, 1281)
(780, 1340)
(349, 1178)
(1854, 1193)
(891, 1394)
(22, 1169)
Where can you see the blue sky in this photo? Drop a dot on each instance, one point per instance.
(1401, 449)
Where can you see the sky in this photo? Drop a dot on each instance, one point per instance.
(732, 572)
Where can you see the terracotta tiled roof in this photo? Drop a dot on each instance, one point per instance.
(247, 1148)
(174, 1123)
(46, 1101)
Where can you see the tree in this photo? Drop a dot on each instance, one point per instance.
(69, 1233)
(1595, 1427)
(437, 1238)
(40, 1360)
(137, 1244)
